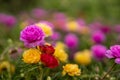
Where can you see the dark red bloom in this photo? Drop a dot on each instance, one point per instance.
(47, 49)
(49, 60)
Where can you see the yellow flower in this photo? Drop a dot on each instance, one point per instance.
(83, 57)
(6, 65)
(61, 55)
(46, 28)
(71, 70)
(72, 26)
(60, 45)
(31, 56)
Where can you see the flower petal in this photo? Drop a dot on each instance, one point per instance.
(109, 54)
(117, 60)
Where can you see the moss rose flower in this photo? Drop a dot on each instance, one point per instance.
(32, 36)
(49, 60)
(47, 49)
(71, 70)
(114, 52)
(31, 56)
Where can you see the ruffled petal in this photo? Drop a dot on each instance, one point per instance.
(109, 54)
(117, 60)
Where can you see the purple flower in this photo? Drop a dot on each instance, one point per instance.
(71, 40)
(98, 51)
(95, 25)
(32, 36)
(117, 28)
(60, 20)
(98, 37)
(2, 17)
(56, 36)
(38, 13)
(10, 21)
(81, 22)
(7, 20)
(114, 52)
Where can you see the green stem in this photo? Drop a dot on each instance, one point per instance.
(89, 76)
(31, 69)
(3, 53)
(103, 78)
(41, 74)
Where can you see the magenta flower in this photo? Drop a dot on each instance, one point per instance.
(38, 13)
(2, 17)
(98, 51)
(32, 36)
(105, 29)
(117, 28)
(60, 20)
(98, 37)
(55, 36)
(7, 20)
(95, 25)
(71, 40)
(81, 22)
(10, 21)
(114, 52)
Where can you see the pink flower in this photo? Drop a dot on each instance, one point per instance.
(32, 36)
(55, 36)
(98, 51)
(98, 37)
(38, 13)
(114, 52)
(71, 40)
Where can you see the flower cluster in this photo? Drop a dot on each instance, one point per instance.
(44, 53)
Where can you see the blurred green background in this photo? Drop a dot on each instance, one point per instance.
(106, 10)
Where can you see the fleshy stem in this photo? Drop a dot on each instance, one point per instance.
(110, 69)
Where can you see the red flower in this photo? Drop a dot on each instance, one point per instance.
(49, 60)
(47, 49)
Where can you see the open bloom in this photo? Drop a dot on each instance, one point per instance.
(60, 45)
(83, 57)
(71, 40)
(98, 37)
(7, 65)
(114, 52)
(46, 27)
(49, 60)
(60, 54)
(98, 51)
(56, 36)
(47, 49)
(31, 56)
(32, 36)
(38, 13)
(72, 26)
(60, 20)
(71, 70)
(7, 20)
